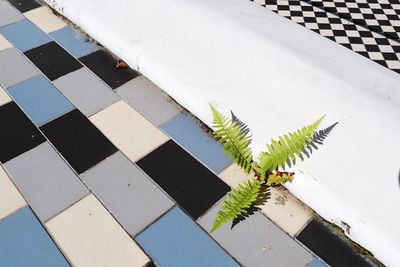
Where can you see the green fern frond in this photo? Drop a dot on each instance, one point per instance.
(235, 141)
(279, 178)
(286, 150)
(240, 199)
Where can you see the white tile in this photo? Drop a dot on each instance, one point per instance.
(4, 44)
(282, 208)
(45, 19)
(4, 98)
(393, 64)
(89, 236)
(129, 131)
(10, 198)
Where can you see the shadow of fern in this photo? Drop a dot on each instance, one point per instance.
(263, 195)
(317, 140)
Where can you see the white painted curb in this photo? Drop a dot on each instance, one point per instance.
(276, 76)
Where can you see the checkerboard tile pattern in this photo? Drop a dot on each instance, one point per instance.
(108, 165)
(360, 39)
(381, 16)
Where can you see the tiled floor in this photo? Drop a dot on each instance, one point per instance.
(99, 167)
(368, 27)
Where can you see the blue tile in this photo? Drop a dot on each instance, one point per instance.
(40, 100)
(317, 263)
(24, 35)
(73, 41)
(185, 131)
(24, 242)
(175, 240)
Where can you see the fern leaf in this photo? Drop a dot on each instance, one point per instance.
(286, 150)
(234, 138)
(277, 178)
(240, 199)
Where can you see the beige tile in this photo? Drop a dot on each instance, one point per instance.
(10, 198)
(4, 98)
(45, 19)
(128, 130)
(4, 44)
(89, 236)
(287, 211)
(282, 208)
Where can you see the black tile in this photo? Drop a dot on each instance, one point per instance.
(53, 60)
(104, 65)
(25, 5)
(78, 140)
(187, 181)
(329, 246)
(18, 134)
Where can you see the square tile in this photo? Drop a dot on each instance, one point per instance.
(10, 199)
(53, 60)
(46, 181)
(15, 68)
(133, 199)
(103, 65)
(128, 130)
(188, 132)
(4, 98)
(257, 241)
(78, 140)
(149, 100)
(283, 208)
(86, 91)
(4, 44)
(24, 35)
(187, 181)
(89, 236)
(18, 134)
(175, 240)
(74, 42)
(24, 5)
(8, 14)
(40, 100)
(44, 18)
(24, 242)
(329, 246)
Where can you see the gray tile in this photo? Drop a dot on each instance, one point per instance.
(14, 68)
(8, 14)
(86, 91)
(45, 181)
(149, 100)
(127, 193)
(256, 241)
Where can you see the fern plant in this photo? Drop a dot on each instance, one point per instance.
(235, 138)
